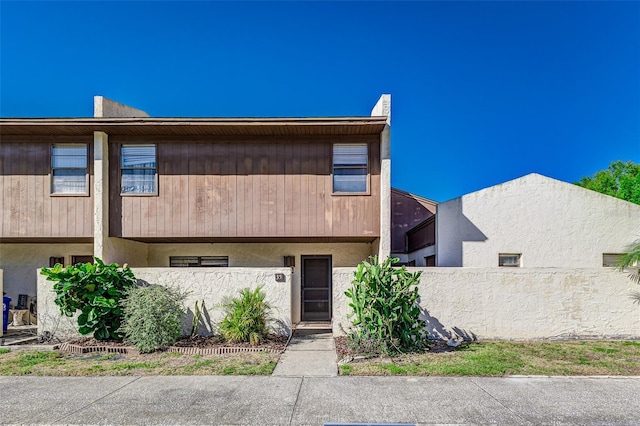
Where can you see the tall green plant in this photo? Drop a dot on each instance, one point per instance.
(386, 316)
(96, 290)
(630, 261)
(153, 316)
(197, 316)
(246, 317)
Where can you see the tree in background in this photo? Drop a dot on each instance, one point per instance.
(621, 180)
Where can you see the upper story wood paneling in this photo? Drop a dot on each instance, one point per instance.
(239, 188)
(27, 208)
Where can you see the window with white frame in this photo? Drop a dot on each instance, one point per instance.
(69, 170)
(198, 261)
(512, 260)
(611, 260)
(350, 167)
(138, 168)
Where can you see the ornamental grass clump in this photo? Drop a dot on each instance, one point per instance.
(153, 317)
(97, 291)
(246, 317)
(385, 312)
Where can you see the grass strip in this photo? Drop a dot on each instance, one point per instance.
(53, 363)
(490, 359)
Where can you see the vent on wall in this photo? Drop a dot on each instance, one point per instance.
(611, 260)
(512, 260)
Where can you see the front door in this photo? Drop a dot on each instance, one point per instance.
(316, 288)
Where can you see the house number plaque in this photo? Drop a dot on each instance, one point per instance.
(280, 278)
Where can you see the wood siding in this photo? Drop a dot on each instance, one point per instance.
(407, 211)
(423, 235)
(27, 208)
(245, 189)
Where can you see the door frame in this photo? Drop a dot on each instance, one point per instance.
(330, 285)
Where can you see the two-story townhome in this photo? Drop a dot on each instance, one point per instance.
(306, 193)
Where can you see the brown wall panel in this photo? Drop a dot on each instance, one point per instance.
(407, 211)
(423, 235)
(246, 188)
(27, 208)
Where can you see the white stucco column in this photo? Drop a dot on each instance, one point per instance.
(383, 108)
(100, 194)
(110, 249)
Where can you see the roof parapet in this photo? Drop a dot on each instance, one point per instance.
(382, 108)
(103, 108)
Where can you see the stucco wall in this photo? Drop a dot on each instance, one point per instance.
(50, 321)
(103, 107)
(495, 303)
(420, 254)
(551, 223)
(20, 262)
(383, 244)
(266, 255)
(123, 251)
(209, 284)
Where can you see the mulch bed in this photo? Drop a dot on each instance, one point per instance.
(344, 351)
(213, 345)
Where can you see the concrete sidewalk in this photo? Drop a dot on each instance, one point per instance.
(310, 353)
(244, 400)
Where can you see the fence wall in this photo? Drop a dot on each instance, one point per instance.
(209, 284)
(527, 303)
(486, 303)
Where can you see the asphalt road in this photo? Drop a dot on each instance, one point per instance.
(240, 400)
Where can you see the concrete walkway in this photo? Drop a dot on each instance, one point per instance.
(310, 353)
(246, 400)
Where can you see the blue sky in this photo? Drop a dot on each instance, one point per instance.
(481, 92)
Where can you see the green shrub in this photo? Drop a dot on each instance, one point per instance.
(246, 317)
(386, 316)
(96, 290)
(153, 317)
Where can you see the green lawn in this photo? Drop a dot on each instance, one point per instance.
(589, 357)
(475, 359)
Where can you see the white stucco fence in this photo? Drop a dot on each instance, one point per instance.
(526, 303)
(209, 284)
(488, 303)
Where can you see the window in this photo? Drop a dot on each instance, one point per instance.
(138, 167)
(611, 260)
(81, 259)
(430, 261)
(509, 259)
(69, 169)
(198, 261)
(53, 260)
(350, 167)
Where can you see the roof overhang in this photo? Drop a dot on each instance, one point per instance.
(194, 126)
